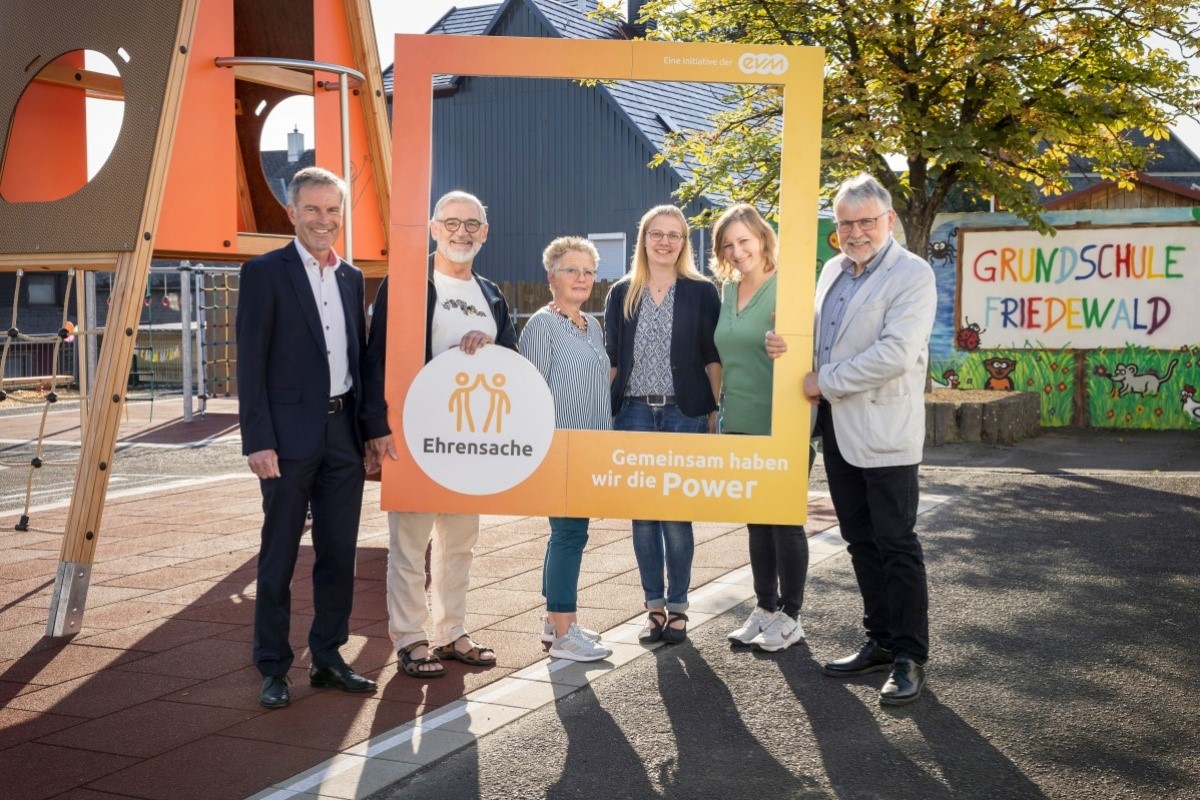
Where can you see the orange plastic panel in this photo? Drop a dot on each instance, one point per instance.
(200, 205)
(46, 158)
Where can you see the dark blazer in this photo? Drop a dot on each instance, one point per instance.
(374, 411)
(697, 307)
(282, 367)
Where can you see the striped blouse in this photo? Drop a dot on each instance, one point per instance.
(575, 366)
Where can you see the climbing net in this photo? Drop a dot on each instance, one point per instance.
(49, 383)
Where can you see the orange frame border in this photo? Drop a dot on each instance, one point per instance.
(561, 486)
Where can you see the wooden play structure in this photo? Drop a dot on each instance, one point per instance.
(184, 180)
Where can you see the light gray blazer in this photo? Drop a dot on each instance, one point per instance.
(875, 379)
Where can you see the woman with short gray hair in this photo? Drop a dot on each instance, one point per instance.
(567, 347)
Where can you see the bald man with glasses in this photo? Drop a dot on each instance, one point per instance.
(467, 311)
(874, 312)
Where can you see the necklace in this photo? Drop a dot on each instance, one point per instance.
(581, 323)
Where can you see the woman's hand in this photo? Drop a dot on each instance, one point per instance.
(775, 344)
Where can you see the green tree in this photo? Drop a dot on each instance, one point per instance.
(988, 97)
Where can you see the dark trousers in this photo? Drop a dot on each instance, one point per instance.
(877, 511)
(331, 483)
(779, 563)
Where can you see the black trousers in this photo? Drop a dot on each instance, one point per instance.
(779, 563)
(877, 511)
(331, 482)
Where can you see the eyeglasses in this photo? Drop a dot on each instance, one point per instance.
(452, 224)
(670, 236)
(866, 224)
(574, 274)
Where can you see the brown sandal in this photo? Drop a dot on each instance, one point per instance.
(472, 657)
(412, 666)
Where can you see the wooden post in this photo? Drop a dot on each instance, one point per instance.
(112, 374)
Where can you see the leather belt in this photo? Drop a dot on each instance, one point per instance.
(340, 403)
(655, 400)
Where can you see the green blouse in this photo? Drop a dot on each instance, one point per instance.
(746, 372)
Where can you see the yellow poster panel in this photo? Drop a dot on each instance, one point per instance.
(607, 473)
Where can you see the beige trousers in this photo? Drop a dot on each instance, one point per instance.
(449, 570)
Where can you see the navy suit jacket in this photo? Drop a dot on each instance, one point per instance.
(282, 368)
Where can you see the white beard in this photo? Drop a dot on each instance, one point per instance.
(459, 257)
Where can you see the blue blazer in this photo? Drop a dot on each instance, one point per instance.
(282, 368)
(697, 307)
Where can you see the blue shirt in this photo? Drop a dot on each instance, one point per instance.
(833, 311)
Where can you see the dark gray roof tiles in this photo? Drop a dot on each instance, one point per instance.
(654, 107)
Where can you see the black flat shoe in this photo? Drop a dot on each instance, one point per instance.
(675, 635)
(871, 658)
(653, 632)
(905, 683)
(274, 693)
(340, 677)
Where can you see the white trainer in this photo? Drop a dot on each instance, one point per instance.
(575, 646)
(549, 634)
(781, 633)
(759, 619)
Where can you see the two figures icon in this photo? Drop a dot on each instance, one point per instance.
(499, 403)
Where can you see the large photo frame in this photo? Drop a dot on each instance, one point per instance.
(581, 473)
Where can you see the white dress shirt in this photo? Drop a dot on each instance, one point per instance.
(333, 318)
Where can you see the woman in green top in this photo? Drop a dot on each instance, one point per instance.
(744, 258)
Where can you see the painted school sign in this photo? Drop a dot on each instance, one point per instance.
(1085, 288)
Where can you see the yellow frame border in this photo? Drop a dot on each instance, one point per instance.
(562, 485)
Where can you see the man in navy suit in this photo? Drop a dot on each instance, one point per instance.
(301, 333)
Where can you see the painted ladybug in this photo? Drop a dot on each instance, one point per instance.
(968, 338)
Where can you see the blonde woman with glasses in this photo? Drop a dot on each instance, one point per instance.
(658, 329)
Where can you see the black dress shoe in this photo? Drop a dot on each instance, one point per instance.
(871, 658)
(339, 677)
(904, 684)
(274, 692)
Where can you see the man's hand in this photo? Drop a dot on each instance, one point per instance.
(776, 345)
(376, 449)
(812, 391)
(264, 464)
(473, 340)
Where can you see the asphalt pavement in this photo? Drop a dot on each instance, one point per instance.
(1063, 601)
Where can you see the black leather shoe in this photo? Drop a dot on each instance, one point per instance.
(904, 684)
(871, 658)
(274, 692)
(340, 677)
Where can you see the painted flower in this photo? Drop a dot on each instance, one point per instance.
(1062, 387)
(1101, 370)
(1111, 413)
(1129, 417)
(1141, 409)
(1158, 412)
(1048, 388)
(1029, 382)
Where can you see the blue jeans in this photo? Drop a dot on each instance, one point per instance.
(560, 570)
(662, 545)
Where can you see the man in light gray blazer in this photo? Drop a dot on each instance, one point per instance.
(874, 312)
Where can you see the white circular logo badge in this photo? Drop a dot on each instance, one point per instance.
(479, 424)
(763, 63)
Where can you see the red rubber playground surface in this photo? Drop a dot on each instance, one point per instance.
(156, 697)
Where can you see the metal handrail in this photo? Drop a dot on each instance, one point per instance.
(344, 74)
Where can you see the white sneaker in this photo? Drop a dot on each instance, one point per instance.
(576, 646)
(759, 619)
(781, 633)
(549, 634)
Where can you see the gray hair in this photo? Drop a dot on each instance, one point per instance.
(552, 255)
(458, 196)
(859, 189)
(314, 176)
